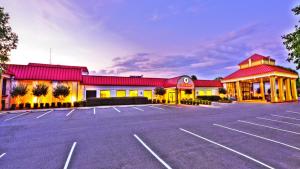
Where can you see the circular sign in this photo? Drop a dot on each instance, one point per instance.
(185, 80)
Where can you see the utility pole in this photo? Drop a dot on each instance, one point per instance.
(50, 55)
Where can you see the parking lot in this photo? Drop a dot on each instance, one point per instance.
(234, 136)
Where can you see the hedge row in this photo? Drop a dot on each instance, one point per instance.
(196, 102)
(41, 105)
(113, 101)
(210, 98)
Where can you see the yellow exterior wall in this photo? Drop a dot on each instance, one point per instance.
(29, 98)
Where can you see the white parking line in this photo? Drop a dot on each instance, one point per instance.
(153, 153)
(274, 115)
(116, 109)
(16, 116)
(3, 113)
(70, 155)
(94, 110)
(157, 107)
(2, 155)
(279, 121)
(257, 136)
(138, 109)
(44, 114)
(70, 112)
(227, 148)
(172, 106)
(293, 112)
(275, 128)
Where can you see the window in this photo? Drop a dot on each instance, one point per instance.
(104, 93)
(121, 93)
(90, 93)
(148, 94)
(208, 92)
(133, 93)
(201, 93)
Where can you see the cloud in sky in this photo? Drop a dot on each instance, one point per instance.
(153, 38)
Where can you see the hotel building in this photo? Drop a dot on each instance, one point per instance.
(255, 70)
(83, 86)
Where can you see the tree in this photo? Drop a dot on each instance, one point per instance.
(61, 91)
(222, 90)
(219, 78)
(40, 90)
(8, 39)
(292, 42)
(194, 77)
(18, 92)
(160, 91)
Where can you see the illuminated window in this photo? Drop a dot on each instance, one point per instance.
(133, 93)
(208, 92)
(104, 93)
(201, 93)
(121, 93)
(148, 94)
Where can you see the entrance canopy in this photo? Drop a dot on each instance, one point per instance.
(261, 69)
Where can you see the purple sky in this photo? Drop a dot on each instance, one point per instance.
(161, 38)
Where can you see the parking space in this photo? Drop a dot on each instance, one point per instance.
(153, 136)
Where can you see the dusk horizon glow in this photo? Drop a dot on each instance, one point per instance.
(151, 38)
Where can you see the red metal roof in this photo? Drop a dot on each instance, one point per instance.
(83, 68)
(36, 71)
(122, 81)
(132, 81)
(256, 70)
(45, 72)
(208, 83)
(255, 57)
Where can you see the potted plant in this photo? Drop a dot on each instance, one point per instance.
(35, 105)
(47, 105)
(60, 92)
(18, 92)
(13, 107)
(160, 92)
(21, 105)
(27, 105)
(39, 90)
(41, 105)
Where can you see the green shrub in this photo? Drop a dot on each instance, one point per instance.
(52, 104)
(59, 104)
(35, 105)
(64, 105)
(116, 101)
(41, 105)
(210, 98)
(76, 104)
(21, 105)
(28, 105)
(47, 105)
(13, 107)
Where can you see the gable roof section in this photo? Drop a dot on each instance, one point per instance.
(45, 72)
(255, 57)
(83, 68)
(256, 70)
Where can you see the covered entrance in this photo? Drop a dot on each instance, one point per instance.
(181, 87)
(258, 79)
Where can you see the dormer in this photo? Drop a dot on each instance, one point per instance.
(255, 60)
